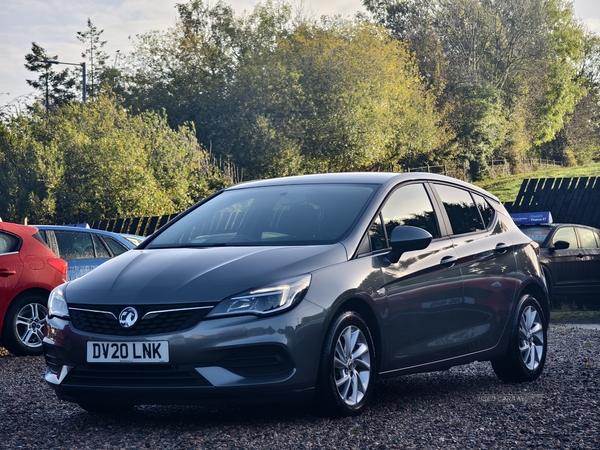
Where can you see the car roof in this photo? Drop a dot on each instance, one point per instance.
(86, 230)
(18, 228)
(379, 178)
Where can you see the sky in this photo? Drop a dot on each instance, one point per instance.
(53, 24)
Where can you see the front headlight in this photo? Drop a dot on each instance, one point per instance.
(57, 304)
(264, 301)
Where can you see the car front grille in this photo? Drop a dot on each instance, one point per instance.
(155, 319)
(135, 375)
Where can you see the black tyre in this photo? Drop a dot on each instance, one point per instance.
(347, 369)
(24, 325)
(526, 354)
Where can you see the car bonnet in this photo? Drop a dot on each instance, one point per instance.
(196, 275)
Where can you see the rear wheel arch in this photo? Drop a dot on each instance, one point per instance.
(538, 292)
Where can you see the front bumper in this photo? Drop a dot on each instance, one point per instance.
(236, 359)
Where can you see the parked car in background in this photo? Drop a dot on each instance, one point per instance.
(85, 248)
(569, 254)
(29, 270)
(310, 286)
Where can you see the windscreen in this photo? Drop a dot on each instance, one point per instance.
(537, 234)
(270, 216)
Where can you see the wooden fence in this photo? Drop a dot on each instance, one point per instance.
(570, 200)
(143, 226)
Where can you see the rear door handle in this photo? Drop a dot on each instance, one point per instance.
(448, 261)
(502, 248)
(7, 273)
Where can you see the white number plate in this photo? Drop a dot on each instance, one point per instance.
(128, 352)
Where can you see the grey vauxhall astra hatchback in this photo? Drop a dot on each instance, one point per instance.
(307, 287)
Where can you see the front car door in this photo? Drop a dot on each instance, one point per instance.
(424, 288)
(565, 265)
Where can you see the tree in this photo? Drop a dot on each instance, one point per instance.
(95, 56)
(340, 96)
(96, 160)
(55, 88)
(527, 51)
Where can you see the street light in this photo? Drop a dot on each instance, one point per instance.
(52, 61)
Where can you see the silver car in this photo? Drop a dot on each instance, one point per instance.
(306, 287)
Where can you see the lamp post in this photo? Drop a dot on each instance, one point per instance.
(52, 61)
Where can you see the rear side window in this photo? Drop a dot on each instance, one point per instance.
(115, 247)
(8, 243)
(587, 238)
(486, 211)
(461, 209)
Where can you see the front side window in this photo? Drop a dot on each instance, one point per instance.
(461, 209)
(271, 215)
(73, 245)
(410, 205)
(565, 234)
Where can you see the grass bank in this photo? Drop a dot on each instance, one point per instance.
(507, 187)
(575, 316)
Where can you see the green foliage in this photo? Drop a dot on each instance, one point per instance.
(524, 53)
(336, 97)
(96, 160)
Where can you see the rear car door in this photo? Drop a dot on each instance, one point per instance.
(487, 263)
(589, 247)
(424, 288)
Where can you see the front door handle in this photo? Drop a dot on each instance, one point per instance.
(448, 261)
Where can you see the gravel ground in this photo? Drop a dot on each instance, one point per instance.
(465, 407)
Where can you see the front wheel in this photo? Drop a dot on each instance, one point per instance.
(526, 354)
(24, 325)
(347, 368)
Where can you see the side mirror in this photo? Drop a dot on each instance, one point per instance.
(560, 245)
(407, 239)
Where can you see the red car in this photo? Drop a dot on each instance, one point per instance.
(29, 270)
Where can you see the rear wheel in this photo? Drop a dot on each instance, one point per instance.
(526, 354)
(347, 367)
(24, 325)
